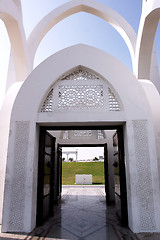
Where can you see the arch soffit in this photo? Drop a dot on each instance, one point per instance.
(145, 41)
(9, 8)
(88, 6)
(70, 58)
(10, 14)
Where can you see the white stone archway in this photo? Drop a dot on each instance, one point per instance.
(88, 6)
(19, 210)
(145, 42)
(146, 66)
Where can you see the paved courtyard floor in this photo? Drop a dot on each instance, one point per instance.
(82, 214)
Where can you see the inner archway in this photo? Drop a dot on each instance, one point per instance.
(85, 32)
(92, 7)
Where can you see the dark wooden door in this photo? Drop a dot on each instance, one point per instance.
(59, 170)
(106, 172)
(122, 174)
(45, 176)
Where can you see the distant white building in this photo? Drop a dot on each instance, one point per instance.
(66, 155)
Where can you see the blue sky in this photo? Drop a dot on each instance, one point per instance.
(130, 10)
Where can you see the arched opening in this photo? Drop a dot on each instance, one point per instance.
(71, 8)
(87, 29)
(155, 63)
(145, 44)
(157, 38)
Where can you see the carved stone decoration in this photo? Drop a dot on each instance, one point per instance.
(86, 93)
(100, 134)
(65, 135)
(113, 102)
(80, 75)
(47, 104)
(16, 219)
(82, 133)
(144, 182)
(80, 96)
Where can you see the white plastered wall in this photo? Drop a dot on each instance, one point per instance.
(150, 91)
(4, 129)
(19, 213)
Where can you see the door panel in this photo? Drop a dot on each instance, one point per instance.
(122, 174)
(59, 177)
(45, 176)
(106, 174)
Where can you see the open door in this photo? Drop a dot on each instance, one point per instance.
(45, 176)
(59, 175)
(106, 176)
(122, 174)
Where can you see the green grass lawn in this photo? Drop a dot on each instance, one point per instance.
(70, 169)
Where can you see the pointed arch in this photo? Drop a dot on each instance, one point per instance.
(10, 13)
(145, 41)
(88, 6)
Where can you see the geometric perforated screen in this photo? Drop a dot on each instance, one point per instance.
(89, 92)
(80, 96)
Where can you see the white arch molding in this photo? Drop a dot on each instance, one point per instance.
(26, 119)
(10, 13)
(145, 41)
(88, 6)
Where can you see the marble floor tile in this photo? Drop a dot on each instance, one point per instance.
(82, 214)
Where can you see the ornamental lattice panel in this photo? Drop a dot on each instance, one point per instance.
(81, 89)
(97, 134)
(80, 96)
(145, 198)
(113, 102)
(47, 104)
(80, 75)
